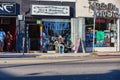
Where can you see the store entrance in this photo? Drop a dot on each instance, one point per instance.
(51, 28)
(9, 24)
(34, 37)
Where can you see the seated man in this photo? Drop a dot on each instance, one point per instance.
(60, 44)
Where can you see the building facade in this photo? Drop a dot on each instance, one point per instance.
(98, 24)
(9, 9)
(29, 19)
(95, 23)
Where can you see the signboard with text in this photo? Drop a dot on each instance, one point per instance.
(38, 22)
(105, 10)
(50, 10)
(8, 8)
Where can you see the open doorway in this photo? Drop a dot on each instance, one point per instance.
(34, 37)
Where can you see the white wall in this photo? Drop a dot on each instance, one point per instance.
(82, 9)
(57, 0)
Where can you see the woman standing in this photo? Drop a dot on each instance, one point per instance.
(8, 40)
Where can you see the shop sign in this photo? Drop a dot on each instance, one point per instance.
(50, 10)
(105, 10)
(38, 22)
(20, 17)
(7, 8)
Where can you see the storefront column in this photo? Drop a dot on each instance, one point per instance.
(118, 35)
(74, 29)
(78, 30)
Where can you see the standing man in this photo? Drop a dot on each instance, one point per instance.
(44, 42)
(2, 37)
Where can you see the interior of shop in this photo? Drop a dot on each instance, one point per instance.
(9, 24)
(105, 32)
(52, 29)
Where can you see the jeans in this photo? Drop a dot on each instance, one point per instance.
(60, 48)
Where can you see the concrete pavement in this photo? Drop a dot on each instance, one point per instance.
(11, 58)
(42, 55)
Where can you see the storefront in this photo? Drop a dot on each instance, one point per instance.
(53, 16)
(101, 25)
(8, 14)
(24, 17)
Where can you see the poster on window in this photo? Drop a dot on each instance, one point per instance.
(100, 35)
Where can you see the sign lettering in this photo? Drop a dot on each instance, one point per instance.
(7, 8)
(50, 10)
(105, 10)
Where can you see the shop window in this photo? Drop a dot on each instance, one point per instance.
(54, 28)
(105, 32)
(51, 28)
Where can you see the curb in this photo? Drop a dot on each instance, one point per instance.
(47, 55)
(108, 54)
(64, 55)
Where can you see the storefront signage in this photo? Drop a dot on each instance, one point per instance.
(38, 22)
(7, 8)
(20, 17)
(105, 10)
(50, 10)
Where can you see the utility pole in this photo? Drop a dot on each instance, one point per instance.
(94, 16)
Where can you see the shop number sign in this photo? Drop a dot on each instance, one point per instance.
(20, 17)
(38, 22)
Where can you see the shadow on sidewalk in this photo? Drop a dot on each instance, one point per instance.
(17, 55)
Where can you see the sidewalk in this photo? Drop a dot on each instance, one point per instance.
(108, 53)
(42, 55)
(17, 55)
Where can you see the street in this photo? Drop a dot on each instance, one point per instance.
(68, 69)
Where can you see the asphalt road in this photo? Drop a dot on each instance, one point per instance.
(65, 70)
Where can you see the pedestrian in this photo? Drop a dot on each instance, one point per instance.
(44, 42)
(8, 40)
(60, 44)
(2, 37)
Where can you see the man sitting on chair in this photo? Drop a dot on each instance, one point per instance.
(60, 44)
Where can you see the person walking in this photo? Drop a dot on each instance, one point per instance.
(2, 37)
